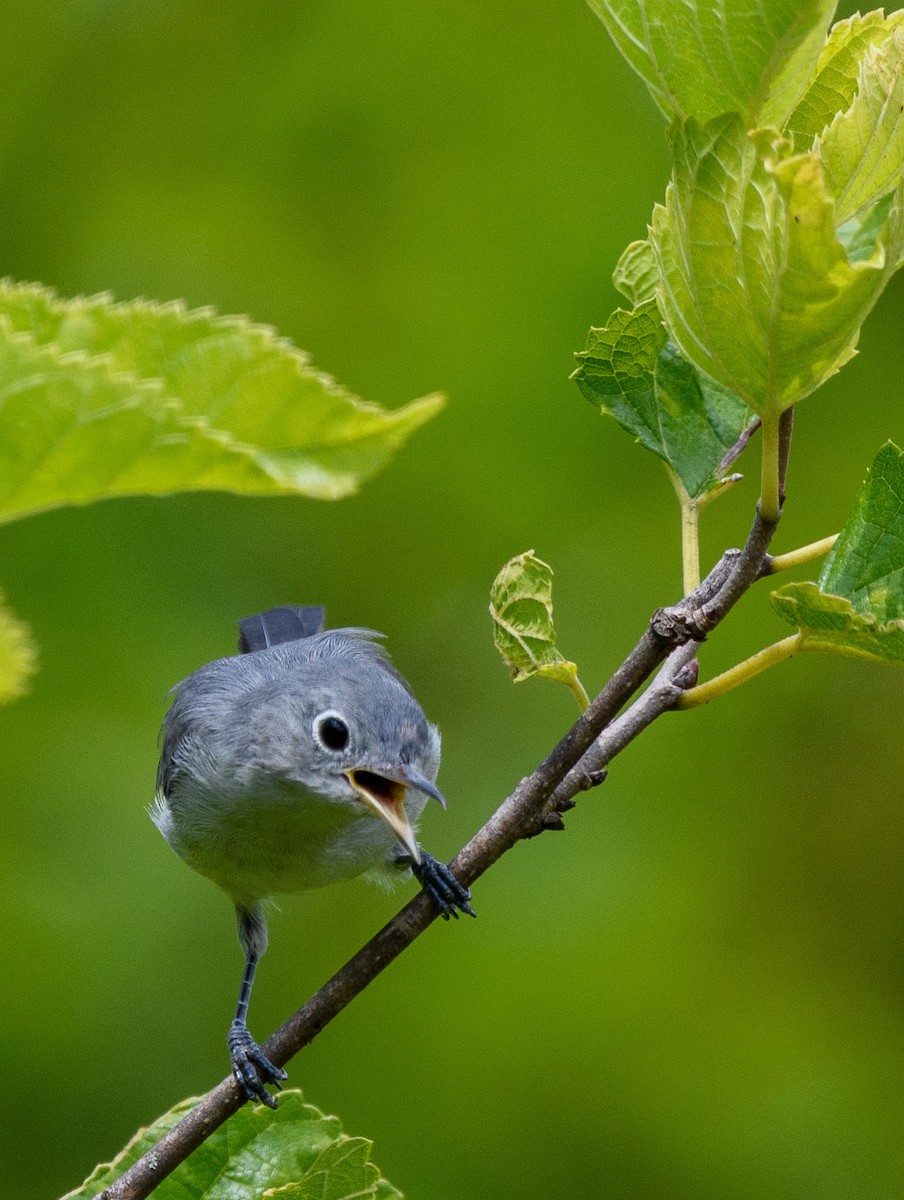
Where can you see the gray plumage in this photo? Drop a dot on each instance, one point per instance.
(250, 796)
(303, 760)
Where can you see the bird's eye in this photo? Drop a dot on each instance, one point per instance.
(331, 731)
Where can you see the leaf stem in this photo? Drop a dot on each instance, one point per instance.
(580, 693)
(750, 667)
(796, 558)
(690, 534)
(690, 546)
(770, 486)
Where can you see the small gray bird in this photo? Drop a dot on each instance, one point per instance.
(303, 760)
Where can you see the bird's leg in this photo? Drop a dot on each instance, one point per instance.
(250, 1066)
(437, 880)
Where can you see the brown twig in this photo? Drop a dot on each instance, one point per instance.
(735, 451)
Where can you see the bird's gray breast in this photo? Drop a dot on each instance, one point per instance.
(240, 796)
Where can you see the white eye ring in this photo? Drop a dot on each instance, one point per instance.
(331, 730)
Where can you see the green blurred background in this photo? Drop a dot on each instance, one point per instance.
(698, 990)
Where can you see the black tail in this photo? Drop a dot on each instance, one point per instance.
(285, 624)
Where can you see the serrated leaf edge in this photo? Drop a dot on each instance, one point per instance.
(866, 623)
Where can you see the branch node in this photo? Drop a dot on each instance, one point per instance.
(551, 820)
(677, 625)
(585, 781)
(688, 675)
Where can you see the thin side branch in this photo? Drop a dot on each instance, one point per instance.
(719, 685)
(664, 694)
(574, 763)
(785, 430)
(770, 487)
(773, 563)
(735, 452)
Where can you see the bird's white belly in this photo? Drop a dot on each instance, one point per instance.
(257, 846)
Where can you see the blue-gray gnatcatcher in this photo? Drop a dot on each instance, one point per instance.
(303, 760)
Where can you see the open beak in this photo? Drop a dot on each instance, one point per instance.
(384, 794)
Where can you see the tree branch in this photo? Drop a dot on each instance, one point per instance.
(663, 694)
(576, 761)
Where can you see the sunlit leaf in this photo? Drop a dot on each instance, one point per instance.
(858, 603)
(523, 629)
(293, 1151)
(18, 655)
(636, 273)
(100, 399)
(632, 372)
(834, 83)
(700, 59)
(862, 150)
(757, 289)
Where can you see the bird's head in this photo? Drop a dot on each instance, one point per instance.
(361, 739)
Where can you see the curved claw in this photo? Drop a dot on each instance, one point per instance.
(442, 887)
(251, 1067)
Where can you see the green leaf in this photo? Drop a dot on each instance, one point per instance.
(523, 629)
(860, 234)
(100, 399)
(342, 1170)
(700, 59)
(18, 655)
(832, 623)
(858, 604)
(291, 1151)
(758, 291)
(866, 564)
(863, 148)
(632, 372)
(835, 80)
(636, 273)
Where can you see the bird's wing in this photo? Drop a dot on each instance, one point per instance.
(289, 623)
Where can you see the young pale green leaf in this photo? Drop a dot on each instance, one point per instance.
(835, 80)
(636, 273)
(100, 399)
(292, 1151)
(700, 59)
(18, 655)
(758, 291)
(523, 629)
(862, 150)
(632, 372)
(833, 624)
(858, 604)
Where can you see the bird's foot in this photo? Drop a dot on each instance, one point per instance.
(442, 887)
(251, 1067)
